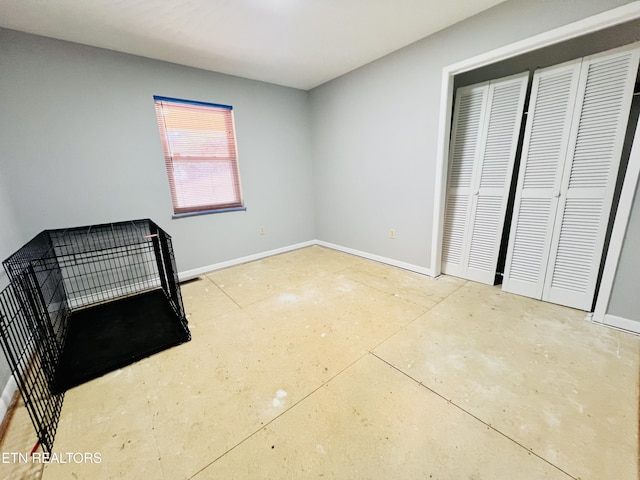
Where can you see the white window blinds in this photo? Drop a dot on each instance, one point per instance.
(200, 154)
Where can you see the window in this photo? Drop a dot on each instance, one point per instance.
(199, 146)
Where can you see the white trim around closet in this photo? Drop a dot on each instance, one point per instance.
(617, 239)
(597, 22)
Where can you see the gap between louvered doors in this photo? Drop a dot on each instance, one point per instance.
(486, 125)
(573, 141)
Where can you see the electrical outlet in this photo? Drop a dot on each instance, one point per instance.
(261, 230)
(392, 233)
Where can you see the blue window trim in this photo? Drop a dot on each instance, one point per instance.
(207, 212)
(191, 102)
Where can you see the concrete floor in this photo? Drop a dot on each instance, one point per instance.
(316, 363)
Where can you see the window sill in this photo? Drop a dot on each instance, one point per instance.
(207, 212)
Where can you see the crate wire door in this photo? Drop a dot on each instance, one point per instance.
(32, 353)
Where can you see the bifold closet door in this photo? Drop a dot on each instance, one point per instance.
(544, 149)
(486, 126)
(573, 143)
(605, 93)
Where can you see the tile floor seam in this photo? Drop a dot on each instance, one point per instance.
(262, 427)
(321, 274)
(488, 425)
(397, 331)
(438, 302)
(428, 309)
(223, 291)
(339, 271)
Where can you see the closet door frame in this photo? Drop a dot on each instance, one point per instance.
(623, 214)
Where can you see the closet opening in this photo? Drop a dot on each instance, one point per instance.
(585, 45)
(624, 162)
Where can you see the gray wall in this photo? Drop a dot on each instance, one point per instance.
(10, 235)
(10, 240)
(625, 296)
(374, 130)
(79, 145)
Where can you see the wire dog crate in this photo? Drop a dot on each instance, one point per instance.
(85, 301)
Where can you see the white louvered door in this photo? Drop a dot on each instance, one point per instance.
(468, 117)
(486, 125)
(492, 176)
(543, 156)
(605, 94)
(573, 141)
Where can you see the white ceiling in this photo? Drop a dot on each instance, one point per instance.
(296, 43)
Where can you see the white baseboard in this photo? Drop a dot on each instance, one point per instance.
(378, 258)
(621, 323)
(7, 396)
(187, 274)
